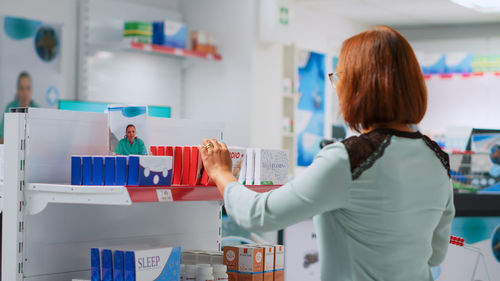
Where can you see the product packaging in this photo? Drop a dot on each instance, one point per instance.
(279, 262)
(87, 170)
(109, 170)
(119, 266)
(250, 264)
(169, 151)
(153, 263)
(161, 151)
(249, 179)
(154, 150)
(121, 170)
(231, 258)
(97, 170)
(268, 256)
(107, 265)
(237, 158)
(170, 33)
(145, 170)
(138, 31)
(186, 162)
(76, 170)
(271, 166)
(195, 167)
(95, 265)
(177, 165)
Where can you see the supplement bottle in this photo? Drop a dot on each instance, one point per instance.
(220, 272)
(204, 273)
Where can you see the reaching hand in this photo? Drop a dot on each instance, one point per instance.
(217, 162)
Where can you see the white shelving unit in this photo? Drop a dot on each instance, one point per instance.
(289, 100)
(50, 226)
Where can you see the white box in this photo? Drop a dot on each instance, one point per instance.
(271, 166)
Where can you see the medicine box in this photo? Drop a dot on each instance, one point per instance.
(154, 263)
(170, 33)
(97, 170)
(279, 262)
(109, 170)
(121, 170)
(271, 166)
(231, 257)
(250, 264)
(150, 170)
(76, 170)
(268, 250)
(87, 170)
(237, 157)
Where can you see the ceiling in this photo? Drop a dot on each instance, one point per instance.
(399, 12)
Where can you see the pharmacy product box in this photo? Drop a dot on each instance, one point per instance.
(268, 260)
(170, 33)
(271, 166)
(231, 257)
(138, 31)
(250, 264)
(153, 263)
(279, 262)
(121, 170)
(76, 170)
(237, 157)
(249, 177)
(97, 170)
(145, 170)
(87, 170)
(109, 170)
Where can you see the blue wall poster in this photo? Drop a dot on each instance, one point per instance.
(310, 118)
(31, 46)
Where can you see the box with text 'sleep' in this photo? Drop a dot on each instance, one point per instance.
(153, 263)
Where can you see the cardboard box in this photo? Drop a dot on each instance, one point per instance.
(249, 177)
(76, 170)
(231, 258)
(177, 165)
(237, 158)
(121, 170)
(279, 262)
(87, 170)
(250, 263)
(150, 263)
(268, 274)
(271, 166)
(170, 33)
(109, 170)
(150, 170)
(186, 162)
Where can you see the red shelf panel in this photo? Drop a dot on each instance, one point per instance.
(185, 193)
(173, 51)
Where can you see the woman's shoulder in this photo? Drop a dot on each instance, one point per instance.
(139, 140)
(364, 150)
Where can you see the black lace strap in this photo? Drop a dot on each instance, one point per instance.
(440, 154)
(364, 150)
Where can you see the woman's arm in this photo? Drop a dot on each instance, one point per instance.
(323, 186)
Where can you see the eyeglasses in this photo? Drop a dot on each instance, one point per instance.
(334, 78)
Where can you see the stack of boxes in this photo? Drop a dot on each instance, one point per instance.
(255, 262)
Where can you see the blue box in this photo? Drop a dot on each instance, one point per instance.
(133, 171)
(109, 170)
(129, 266)
(121, 170)
(87, 170)
(155, 170)
(97, 170)
(76, 170)
(95, 265)
(170, 33)
(119, 266)
(107, 265)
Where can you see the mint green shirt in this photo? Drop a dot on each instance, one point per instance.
(137, 147)
(14, 103)
(391, 222)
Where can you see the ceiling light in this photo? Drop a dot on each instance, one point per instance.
(483, 6)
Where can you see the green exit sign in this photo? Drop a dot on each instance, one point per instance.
(284, 16)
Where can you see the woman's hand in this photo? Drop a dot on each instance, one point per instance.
(217, 162)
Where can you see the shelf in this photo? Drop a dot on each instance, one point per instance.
(470, 204)
(39, 194)
(170, 51)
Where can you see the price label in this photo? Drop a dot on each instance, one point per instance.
(178, 52)
(164, 195)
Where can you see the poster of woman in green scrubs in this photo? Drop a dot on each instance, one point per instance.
(131, 144)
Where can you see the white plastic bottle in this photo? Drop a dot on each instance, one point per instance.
(220, 272)
(190, 272)
(205, 273)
